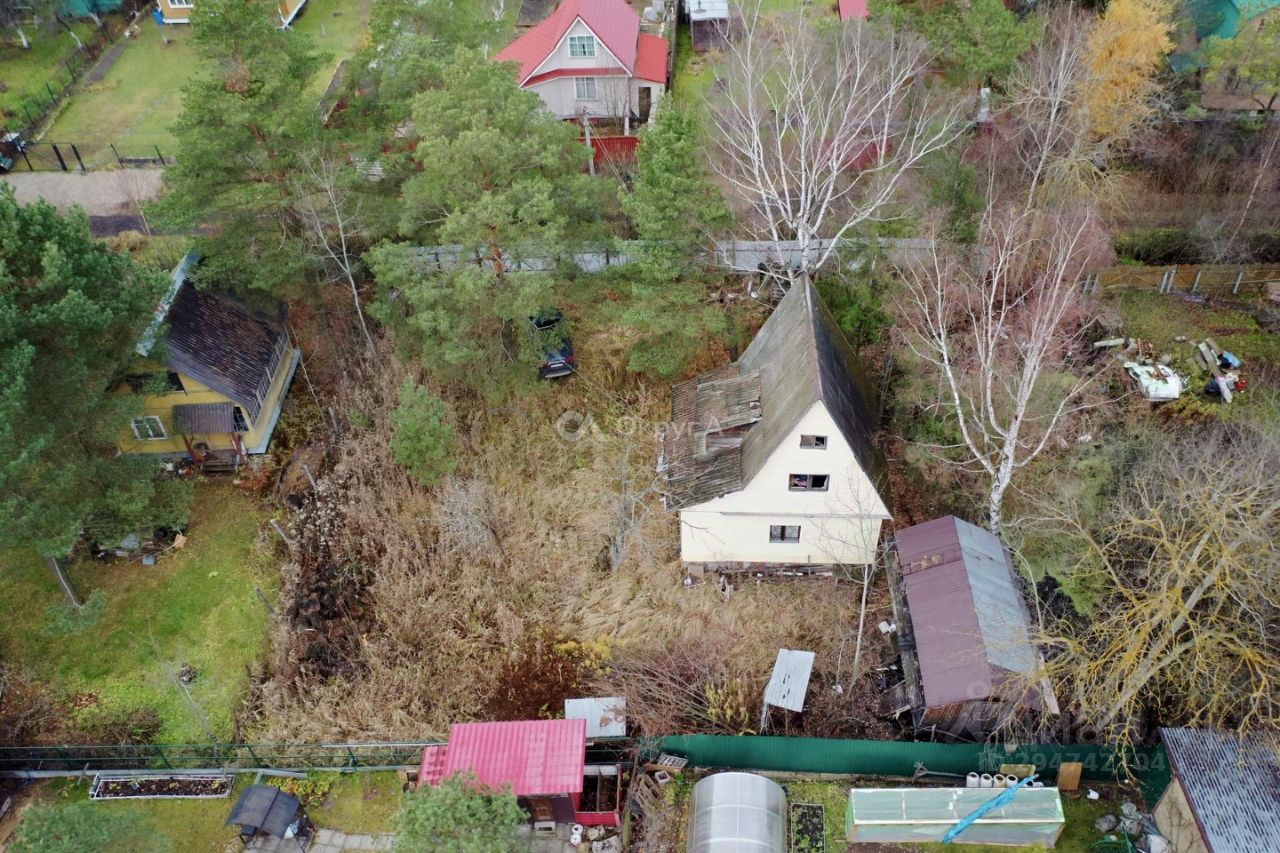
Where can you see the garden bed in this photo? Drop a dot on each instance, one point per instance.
(808, 828)
(159, 787)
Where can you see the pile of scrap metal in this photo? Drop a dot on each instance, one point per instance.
(1156, 380)
(1227, 379)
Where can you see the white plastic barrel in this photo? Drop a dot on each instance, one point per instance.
(971, 781)
(984, 781)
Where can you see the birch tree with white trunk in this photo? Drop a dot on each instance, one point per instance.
(816, 130)
(331, 217)
(995, 322)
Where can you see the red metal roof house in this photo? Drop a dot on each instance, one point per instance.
(590, 59)
(543, 762)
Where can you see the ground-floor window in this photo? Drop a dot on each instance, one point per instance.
(784, 533)
(584, 88)
(181, 4)
(148, 427)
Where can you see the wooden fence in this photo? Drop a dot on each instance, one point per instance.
(1241, 283)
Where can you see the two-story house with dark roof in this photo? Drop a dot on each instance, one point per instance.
(770, 461)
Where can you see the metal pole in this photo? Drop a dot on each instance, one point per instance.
(76, 151)
(161, 156)
(1239, 280)
(117, 153)
(1195, 285)
(58, 154)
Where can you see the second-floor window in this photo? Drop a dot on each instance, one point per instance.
(784, 533)
(581, 47)
(814, 442)
(807, 482)
(181, 4)
(584, 88)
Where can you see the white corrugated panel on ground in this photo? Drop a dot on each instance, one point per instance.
(904, 815)
(737, 813)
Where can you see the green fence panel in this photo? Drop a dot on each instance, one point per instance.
(1148, 766)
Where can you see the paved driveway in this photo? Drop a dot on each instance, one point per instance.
(111, 198)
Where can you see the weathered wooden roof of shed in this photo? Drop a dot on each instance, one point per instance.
(222, 343)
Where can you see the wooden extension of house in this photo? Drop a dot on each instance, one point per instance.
(770, 461)
(963, 633)
(179, 11)
(214, 383)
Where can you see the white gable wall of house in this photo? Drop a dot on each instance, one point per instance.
(840, 525)
(561, 57)
(614, 96)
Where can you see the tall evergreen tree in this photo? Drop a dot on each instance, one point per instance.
(239, 134)
(71, 312)
(498, 175)
(675, 209)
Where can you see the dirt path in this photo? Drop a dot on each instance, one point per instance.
(111, 198)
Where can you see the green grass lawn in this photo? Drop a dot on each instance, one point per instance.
(134, 104)
(357, 802)
(361, 802)
(196, 606)
(137, 101)
(339, 28)
(1161, 318)
(24, 73)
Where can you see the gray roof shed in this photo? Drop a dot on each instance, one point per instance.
(1232, 782)
(968, 616)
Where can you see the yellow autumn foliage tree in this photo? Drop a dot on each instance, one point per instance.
(1125, 49)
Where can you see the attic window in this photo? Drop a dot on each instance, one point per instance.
(816, 442)
(582, 47)
(807, 482)
(238, 420)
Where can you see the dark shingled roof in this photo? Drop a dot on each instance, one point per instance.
(204, 418)
(970, 622)
(1232, 782)
(223, 344)
(798, 358)
(264, 808)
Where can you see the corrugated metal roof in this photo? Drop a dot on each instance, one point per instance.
(652, 53)
(533, 757)
(1232, 782)
(967, 613)
(790, 680)
(614, 22)
(606, 716)
(204, 418)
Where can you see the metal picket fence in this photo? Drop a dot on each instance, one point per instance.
(190, 756)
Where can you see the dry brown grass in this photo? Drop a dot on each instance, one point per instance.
(509, 555)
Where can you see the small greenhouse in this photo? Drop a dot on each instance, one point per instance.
(737, 813)
(903, 815)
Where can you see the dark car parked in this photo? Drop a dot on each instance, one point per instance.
(551, 334)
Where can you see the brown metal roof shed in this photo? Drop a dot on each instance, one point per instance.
(968, 618)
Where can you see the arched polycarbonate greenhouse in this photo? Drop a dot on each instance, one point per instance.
(737, 813)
